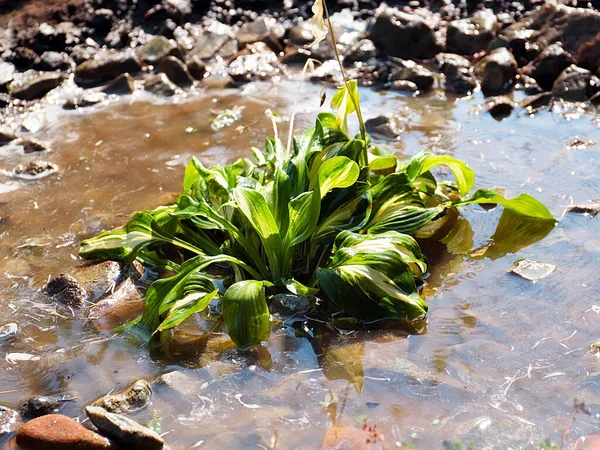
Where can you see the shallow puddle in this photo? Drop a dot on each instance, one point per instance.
(503, 362)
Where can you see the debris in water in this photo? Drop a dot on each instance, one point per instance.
(34, 171)
(595, 347)
(13, 358)
(532, 270)
(226, 118)
(580, 143)
(593, 209)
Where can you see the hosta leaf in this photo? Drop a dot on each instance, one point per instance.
(405, 219)
(192, 303)
(424, 161)
(345, 100)
(245, 312)
(337, 172)
(295, 287)
(142, 230)
(373, 278)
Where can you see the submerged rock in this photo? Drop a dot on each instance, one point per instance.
(105, 66)
(8, 332)
(132, 398)
(57, 432)
(35, 170)
(175, 70)
(404, 35)
(160, 85)
(593, 209)
(41, 405)
(497, 72)
(576, 85)
(118, 308)
(186, 386)
(124, 430)
(10, 420)
(35, 85)
(532, 270)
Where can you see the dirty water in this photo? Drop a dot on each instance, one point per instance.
(503, 362)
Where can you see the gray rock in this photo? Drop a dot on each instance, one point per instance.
(158, 48)
(41, 405)
(160, 85)
(8, 332)
(255, 31)
(410, 71)
(196, 68)
(133, 398)
(7, 71)
(469, 36)
(35, 170)
(85, 99)
(10, 420)
(122, 85)
(105, 66)
(497, 72)
(56, 61)
(362, 51)
(404, 35)
(124, 430)
(300, 35)
(7, 135)
(83, 52)
(546, 68)
(290, 304)
(499, 107)
(175, 70)
(257, 63)
(31, 145)
(384, 125)
(530, 85)
(532, 270)
(219, 40)
(458, 73)
(35, 85)
(575, 85)
(117, 308)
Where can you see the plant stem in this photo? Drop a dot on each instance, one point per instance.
(356, 104)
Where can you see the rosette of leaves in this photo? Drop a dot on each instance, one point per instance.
(330, 216)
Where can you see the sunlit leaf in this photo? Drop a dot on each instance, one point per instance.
(317, 24)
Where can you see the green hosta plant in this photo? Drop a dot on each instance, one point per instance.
(327, 215)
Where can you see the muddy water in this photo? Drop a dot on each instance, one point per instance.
(502, 363)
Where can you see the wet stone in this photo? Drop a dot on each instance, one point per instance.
(57, 432)
(362, 51)
(593, 209)
(35, 170)
(458, 73)
(41, 405)
(532, 270)
(404, 86)
(132, 398)
(117, 308)
(160, 85)
(546, 68)
(85, 99)
(575, 85)
(580, 143)
(196, 68)
(7, 71)
(499, 107)
(121, 85)
(124, 430)
(260, 63)
(175, 70)
(7, 135)
(185, 385)
(497, 72)
(404, 35)
(595, 347)
(300, 35)
(35, 85)
(105, 66)
(290, 304)
(537, 102)
(407, 70)
(56, 61)
(10, 420)
(8, 332)
(66, 290)
(31, 145)
(469, 36)
(158, 48)
(384, 125)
